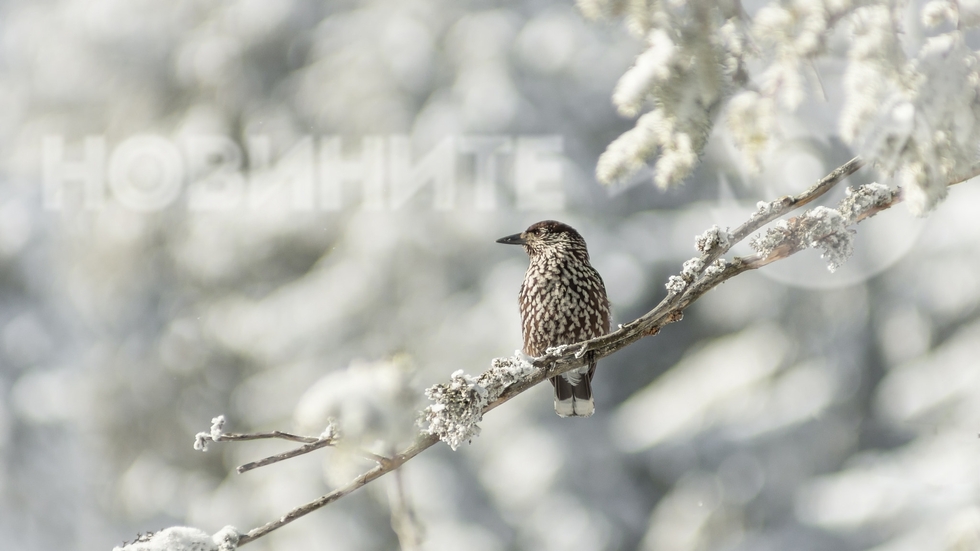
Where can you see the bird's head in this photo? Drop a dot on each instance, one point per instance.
(547, 236)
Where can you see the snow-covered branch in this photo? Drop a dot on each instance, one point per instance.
(453, 414)
(459, 405)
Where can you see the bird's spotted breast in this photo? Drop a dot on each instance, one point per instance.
(562, 301)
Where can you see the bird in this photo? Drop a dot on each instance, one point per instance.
(562, 301)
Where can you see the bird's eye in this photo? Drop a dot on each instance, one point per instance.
(542, 231)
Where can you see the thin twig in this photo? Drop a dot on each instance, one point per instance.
(311, 443)
(782, 206)
(312, 446)
(233, 437)
(403, 519)
(423, 443)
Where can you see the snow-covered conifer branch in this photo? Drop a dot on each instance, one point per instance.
(683, 76)
(912, 115)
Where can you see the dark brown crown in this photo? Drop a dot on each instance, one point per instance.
(551, 226)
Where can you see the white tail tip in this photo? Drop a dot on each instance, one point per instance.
(575, 407)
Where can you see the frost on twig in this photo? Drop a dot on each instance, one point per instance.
(183, 538)
(459, 404)
(716, 267)
(676, 284)
(329, 437)
(692, 267)
(202, 439)
(713, 238)
(767, 208)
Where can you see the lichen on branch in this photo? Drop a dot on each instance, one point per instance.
(459, 405)
(825, 228)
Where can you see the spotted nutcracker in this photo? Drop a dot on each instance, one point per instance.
(562, 301)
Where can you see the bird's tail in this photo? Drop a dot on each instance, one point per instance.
(573, 395)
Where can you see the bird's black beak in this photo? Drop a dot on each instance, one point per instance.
(515, 239)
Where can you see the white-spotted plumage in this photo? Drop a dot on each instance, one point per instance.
(562, 301)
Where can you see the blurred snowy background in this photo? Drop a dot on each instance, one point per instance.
(790, 409)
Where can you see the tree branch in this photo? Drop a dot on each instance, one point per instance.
(312, 446)
(768, 212)
(329, 437)
(699, 276)
(671, 307)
